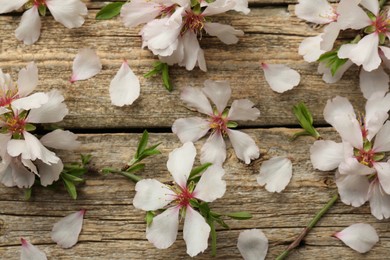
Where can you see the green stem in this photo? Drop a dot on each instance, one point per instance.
(382, 3)
(307, 229)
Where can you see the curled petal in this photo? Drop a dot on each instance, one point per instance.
(49, 173)
(226, 33)
(190, 129)
(152, 195)
(86, 65)
(60, 139)
(22, 177)
(374, 83)
(162, 232)
(214, 150)
(70, 13)
(211, 186)
(275, 174)
(280, 77)
(326, 155)
(376, 114)
(353, 189)
(310, 48)
(27, 79)
(252, 244)
(192, 53)
(195, 98)
(243, 109)
(66, 231)
(244, 146)
(35, 100)
(219, 92)
(379, 201)
(31, 252)
(180, 163)
(29, 29)
(383, 170)
(360, 237)
(382, 139)
(195, 232)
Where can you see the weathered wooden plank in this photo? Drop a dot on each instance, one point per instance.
(114, 229)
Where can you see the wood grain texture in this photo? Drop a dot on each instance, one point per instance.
(114, 229)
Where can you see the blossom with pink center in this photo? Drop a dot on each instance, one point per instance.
(70, 13)
(219, 123)
(153, 195)
(362, 172)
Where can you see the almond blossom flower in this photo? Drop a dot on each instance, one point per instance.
(31, 252)
(362, 174)
(66, 231)
(252, 244)
(70, 13)
(360, 237)
(221, 120)
(153, 195)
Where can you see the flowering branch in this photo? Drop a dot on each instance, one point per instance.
(307, 229)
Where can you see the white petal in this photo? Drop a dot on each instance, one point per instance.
(180, 163)
(125, 87)
(29, 28)
(383, 170)
(351, 16)
(351, 166)
(138, 12)
(27, 79)
(22, 177)
(6, 177)
(226, 33)
(385, 55)
(4, 139)
(336, 107)
(152, 195)
(310, 48)
(162, 232)
(376, 114)
(241, 6)
(219, 92)
(70, 13)
(275, 174)
(30, 166)
(31, 252)
(177, 55)
(382, 139)
(315, 11)
(244, 146)
(60, 139)
(214, 150)
(374, 83)
(331, 32)
(7, 6)
(218, 7)
(51, 112)
(190, 129)
(49, 173)
(280, 77)
(195, 232)
(35, 100)
(191, 51)
(327, 74)
(252, 244)
(85, 65)
(243, 109)
(372, 6)
(360, 237)
(211, 186)
(195, 98)
(379, 201)
(66, 231)
(326, 155)
(353, 189)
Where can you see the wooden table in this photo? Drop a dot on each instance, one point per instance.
(113, 228)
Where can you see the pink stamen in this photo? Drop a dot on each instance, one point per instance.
(219, 123)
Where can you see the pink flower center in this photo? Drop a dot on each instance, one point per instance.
(366, 157)
(183, 197)
(16, 124)
(219, 123)
(39, 2)
(381, 23)
(193, 22)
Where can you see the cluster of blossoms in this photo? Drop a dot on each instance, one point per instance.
(368, 49)
(23, 156)
(173, 27)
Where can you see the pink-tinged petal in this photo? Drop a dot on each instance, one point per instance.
(310, 48)
(70, 13)
(326, 155)
(196, 99)
(29, 28)
(152, 195)
(60, 139)
(51, 112)
(328, 77)
(275, 174)
(315, 11)
(353, 189)
(22, 177)
(376, 114)
(138, 12)
(331, 32)
(360, 237)
(383, 170)
(379, 201)
(351, 166)
(191, 51)
(66, 231)
(280, 77)
(214, 150)
(195, 232)
(382, 139)
(372, 6)
(244, 146)
(85, 65)
(340, 114)
(162, 232)
(7, 6)
(243, 109)
(31, 252)
(252, 244)
(27, 79)
(218, 7)
(226, 33)
(49, 173)
(35, 100)
(211, 186)
(374, 83)
(364, 53)
(125, 87)
(351, 16)
(190, 129)
(180, 163)
(219, 92)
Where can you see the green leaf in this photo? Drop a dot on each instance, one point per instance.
(213, 234)
(165, 77)
(72, 178)
(240, 215)
(42, 10)
(332, 61)
(198, 170)
(30, 127)
(110, 11)
(136, 168)
(231, 124)
(142, 143)
(222, 223)
(305, 119)
(27, 194)
(298, 134)
(149, 218)
(71, 188)
(86, 159)
(131, 176)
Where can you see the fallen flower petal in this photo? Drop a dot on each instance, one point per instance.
(60, 139)
(275, 174)
(66, 231)
(360, 237)
(31, 252)
(252, 244)
(280, 77)
(86, 65)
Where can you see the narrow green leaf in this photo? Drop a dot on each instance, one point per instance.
(305, 119)
(27, 193)
(165, 77)
(142, 143)
(222, 223)
(72, 178)
(136, 168)
(149, 218)
(232, 124)
(86, 159)
(298, 134)
(198, 170)
(30, 127)
(213, 234)
(71, 188)
(151, 73)
(110, 11)
(240, 215)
